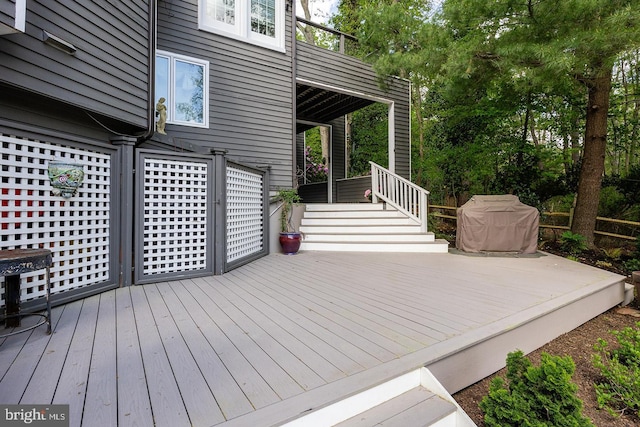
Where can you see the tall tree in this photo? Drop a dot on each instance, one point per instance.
(546, 43)
(399, 39)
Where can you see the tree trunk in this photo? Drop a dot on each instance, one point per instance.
(324, 143)
(595, 139)
(307, 30)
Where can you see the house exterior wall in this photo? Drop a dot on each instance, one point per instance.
(352, 75)
(338, 151)
(250, 92)
(87, 108)
(108, 74)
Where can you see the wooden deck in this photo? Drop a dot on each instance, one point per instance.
(286, 335)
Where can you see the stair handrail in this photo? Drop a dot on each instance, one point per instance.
(399, 192)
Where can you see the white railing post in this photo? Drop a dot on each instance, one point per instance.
(423, 211)
(374, 185)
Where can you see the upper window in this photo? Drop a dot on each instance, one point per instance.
(184, 84)
(259, 22)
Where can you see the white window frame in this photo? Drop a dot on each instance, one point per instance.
(170, 103)
(241, 29)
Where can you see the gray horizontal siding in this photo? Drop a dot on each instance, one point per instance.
(351, 74)
(352, 189)
(250, 92)
(43, 118)
(108, 74)
(7, 13)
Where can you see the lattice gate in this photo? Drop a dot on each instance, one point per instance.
(246, 214)
(173, 216)
(78, 229)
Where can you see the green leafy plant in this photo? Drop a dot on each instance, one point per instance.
(573, 243)
(620, 367)
(632, 265)
(541, 395)
(613, 253)
(289, 197)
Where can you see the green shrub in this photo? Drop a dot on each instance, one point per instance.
(534, 395)
(620, 367)
(612, 202)
(632, 265)
(573, 243)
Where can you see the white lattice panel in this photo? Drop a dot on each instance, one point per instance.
(76, 230)
(175, 216)
(245, 218)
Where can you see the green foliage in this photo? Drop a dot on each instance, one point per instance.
(614, 253)
(632, 265)
(289, 197)
(612, 202)
(620, 367)
(370, 141)
(573, 243)
(534, 395)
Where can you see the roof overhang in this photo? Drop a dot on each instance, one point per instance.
(322, 105)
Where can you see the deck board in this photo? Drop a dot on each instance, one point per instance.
(332, 365)
(265, 333)
(195, 392)
(136, 408)
(42, 387)
(227, 393)
(253, 386)
(101, 402)
(12, 345)
(341, 339)
(284, 335)
(166, 401)
(20, 373)
(72, 386)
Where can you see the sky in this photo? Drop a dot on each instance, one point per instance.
(322, 10)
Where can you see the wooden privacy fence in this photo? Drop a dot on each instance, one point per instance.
(547, 222)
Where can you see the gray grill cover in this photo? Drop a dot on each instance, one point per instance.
(497, 224)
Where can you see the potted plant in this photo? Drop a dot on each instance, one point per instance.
(290, 239)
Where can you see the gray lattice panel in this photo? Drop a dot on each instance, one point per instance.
(175, 216)
(245, 226)
(76, 229)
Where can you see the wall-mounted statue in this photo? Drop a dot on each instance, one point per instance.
(161, 113)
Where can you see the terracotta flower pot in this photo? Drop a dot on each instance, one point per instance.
(290, 242)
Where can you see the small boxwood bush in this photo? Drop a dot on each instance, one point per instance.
(534, 396)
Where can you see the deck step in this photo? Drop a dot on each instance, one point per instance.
(364, 227)
(416, 398)
(437, 246)
(331, 207)
(319, 235)
(364, 221)
(417, 407)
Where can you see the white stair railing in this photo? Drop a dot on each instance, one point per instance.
(400, 193)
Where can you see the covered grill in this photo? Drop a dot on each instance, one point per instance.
(497, 224)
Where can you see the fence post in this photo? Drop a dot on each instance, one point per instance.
(125, 203)
(571, 217)
(219, 192)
